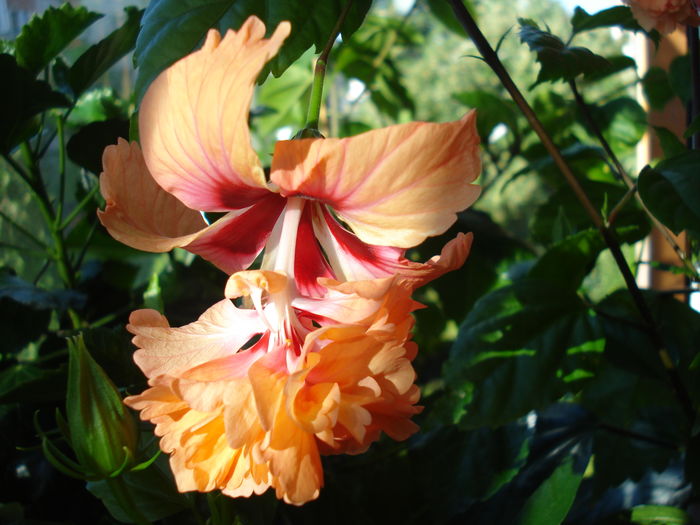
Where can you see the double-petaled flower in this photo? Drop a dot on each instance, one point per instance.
(247, 398)
(664, 15)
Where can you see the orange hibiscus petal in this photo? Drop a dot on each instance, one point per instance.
(193, 120)
(140, 213)
(220, 332)
(393, 186)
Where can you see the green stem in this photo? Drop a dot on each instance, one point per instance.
(79, 207)
(61, 170)
(122, 494)
(491, 58)
(316, 100)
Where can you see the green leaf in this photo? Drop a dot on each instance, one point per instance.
(564, 205)
(173, 28)
(552, 500)
(21, 97)
(47, 34)
(671, 190)
(557, 60)
(619, 16)
(493, 110)
(152, 489)
(658, 515)
(521, 348)
(623, 122)
(679, 77)
(101, 56)
(657, 87)
(443, 12)
(282, 100)
(617, 63)
(358, 59)
(669, 141)
(97, 104)
(26, 383)
(86, 146)
(693, 128)
(18, 290)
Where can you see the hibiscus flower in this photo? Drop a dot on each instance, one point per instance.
(245, 399)
(351, 206)
(664, 15)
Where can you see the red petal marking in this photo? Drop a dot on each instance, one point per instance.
(235, 240)
(309, 263)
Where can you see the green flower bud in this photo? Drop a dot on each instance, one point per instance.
(102, 430)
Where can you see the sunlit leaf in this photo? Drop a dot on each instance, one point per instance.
(658, 515)
(552, 500)
(47, 34)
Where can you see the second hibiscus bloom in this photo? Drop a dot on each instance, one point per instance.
(247, 398)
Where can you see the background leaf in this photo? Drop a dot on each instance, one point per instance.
(92, 64)
(671, 190)
(46, 35)
(173, 28)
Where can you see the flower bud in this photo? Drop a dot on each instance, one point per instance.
(102, 430)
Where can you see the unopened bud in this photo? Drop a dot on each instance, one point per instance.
(102, 431)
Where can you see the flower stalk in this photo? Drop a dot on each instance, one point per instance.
(315, 101)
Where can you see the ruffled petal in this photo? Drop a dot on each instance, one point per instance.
(452, 256)
(220, 332)
(393, 186)
(140, 213)
(193, 120)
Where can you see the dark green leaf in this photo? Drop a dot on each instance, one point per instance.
(658, 515)
(617, 63)
(113, 351)
(669, 141)
(679, 77)
(693, 128)
(21, 324)
(520, 349)
(619, 16)
(657, 87)
(671, 190)
(557, 60)
(563, 205)
(86, 146)
(18, 290)
(623, 122)
(493, 110)
(21, 97)
(552, 500)
(27, 383)
(173, 28)
(101, 56)
(566, 263)
(47, 34)
(152, 490)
